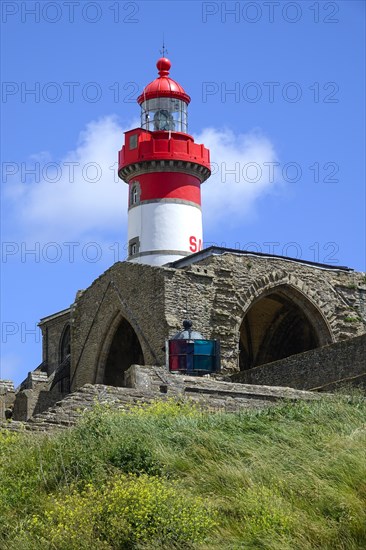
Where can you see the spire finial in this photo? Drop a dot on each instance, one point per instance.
(163, 51)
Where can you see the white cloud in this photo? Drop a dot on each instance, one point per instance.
(75, 208)
(243, 169)
(76, 196)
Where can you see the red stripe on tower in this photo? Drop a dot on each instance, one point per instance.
(168, 185)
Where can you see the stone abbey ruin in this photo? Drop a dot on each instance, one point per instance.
(280, 322)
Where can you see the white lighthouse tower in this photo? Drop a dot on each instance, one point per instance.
(164, 169)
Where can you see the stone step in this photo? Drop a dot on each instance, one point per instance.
(210, 393)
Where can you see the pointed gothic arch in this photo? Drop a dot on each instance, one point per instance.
(121, 349)
(281, 321)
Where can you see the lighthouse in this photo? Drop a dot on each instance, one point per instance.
(164, 169)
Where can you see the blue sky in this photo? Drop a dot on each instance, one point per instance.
(277, 94)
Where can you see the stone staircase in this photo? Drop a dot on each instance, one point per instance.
(65, 413)
(150, 383)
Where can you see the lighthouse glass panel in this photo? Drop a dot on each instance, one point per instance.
(164, 113)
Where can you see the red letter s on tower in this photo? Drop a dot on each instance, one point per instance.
(193, 243)
(194, 247)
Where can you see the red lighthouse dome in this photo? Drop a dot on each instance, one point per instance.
(163, 86)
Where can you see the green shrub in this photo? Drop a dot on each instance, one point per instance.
(168, 475)
(128, 511)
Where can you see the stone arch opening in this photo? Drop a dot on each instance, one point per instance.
(279, 323)
(124, 350)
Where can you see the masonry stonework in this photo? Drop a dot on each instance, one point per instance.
(125, 291)
(216, 292)
(339, 364)
(52, 328)
(265, 310)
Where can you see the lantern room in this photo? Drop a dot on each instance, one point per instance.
(164, 103)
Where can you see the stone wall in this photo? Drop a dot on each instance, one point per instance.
(216, 293)
(189, 294)
(46, 399)
(131, 291)
(25, 404)
(52, 328)
(322, 368)
(155, 383)
(34, 379)
(333, 299)
(33, 401)
(7, 397)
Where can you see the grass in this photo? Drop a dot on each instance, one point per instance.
(170, 476)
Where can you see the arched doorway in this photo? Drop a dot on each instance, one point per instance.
(124, 351)
(280, 323)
